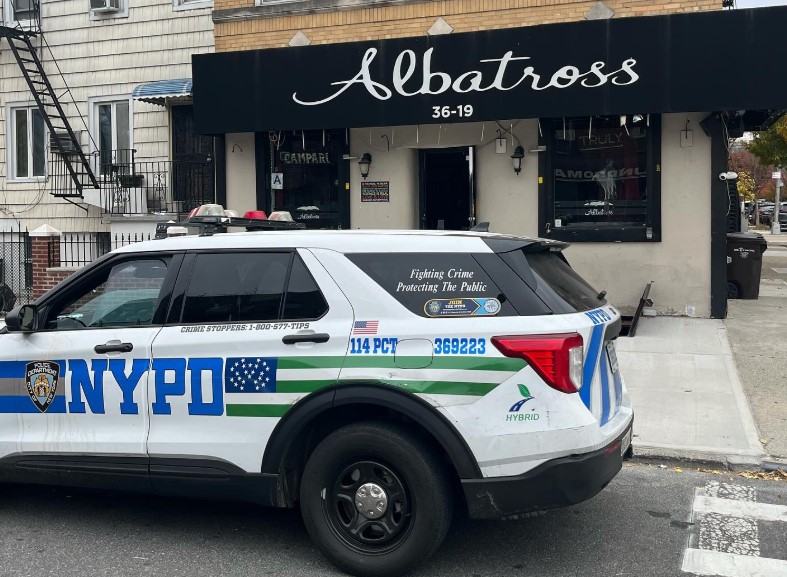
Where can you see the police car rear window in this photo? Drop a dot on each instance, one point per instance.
(436, 285)
(554, 281)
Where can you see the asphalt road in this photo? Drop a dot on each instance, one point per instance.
(640, 525)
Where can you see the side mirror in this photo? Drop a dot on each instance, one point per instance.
(21, 319)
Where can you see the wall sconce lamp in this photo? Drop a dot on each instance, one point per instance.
(364, 164)
(516, 158)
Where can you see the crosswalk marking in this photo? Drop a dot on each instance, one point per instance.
(704, 562)
(728, 541)
(761, 511)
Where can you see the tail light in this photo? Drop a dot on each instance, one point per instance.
(558, 359)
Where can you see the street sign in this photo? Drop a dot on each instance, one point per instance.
(776, 175)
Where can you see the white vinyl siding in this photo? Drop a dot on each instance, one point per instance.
(100, 59)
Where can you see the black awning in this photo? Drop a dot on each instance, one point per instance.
(724, 60)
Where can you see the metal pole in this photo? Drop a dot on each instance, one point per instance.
(775, 226)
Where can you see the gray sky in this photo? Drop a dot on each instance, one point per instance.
(757, 3)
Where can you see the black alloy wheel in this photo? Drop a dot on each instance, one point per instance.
(368, 507)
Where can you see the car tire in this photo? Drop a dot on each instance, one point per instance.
(413, 511)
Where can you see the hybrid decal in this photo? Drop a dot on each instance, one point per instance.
(41, 378)
(514, 413)
(500, 74)
(463, 307)
(373, 346)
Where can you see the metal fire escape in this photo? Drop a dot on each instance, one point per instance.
(63, 140)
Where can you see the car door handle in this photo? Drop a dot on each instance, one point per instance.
(309, 338)
(114, 347)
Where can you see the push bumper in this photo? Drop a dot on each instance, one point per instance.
(557, 483)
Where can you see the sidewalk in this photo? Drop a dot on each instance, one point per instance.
(710, 389)
(688, 398)
(758, 336)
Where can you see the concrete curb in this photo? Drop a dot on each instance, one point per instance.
(731, 462)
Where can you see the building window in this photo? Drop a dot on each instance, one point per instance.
(310, 174)
(191, 4)
(23, 12)
(111, 129)
(26, 143)
(602, 179)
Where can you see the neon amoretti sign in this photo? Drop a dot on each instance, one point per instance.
(502, 74)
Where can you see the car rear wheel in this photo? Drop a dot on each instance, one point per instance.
(375, 499)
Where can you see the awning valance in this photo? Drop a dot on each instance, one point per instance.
(164, 92)
(634, 65)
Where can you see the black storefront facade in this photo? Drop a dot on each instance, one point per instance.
(622, 126)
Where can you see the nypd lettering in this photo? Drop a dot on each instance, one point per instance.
(208, 382)
(598, 316)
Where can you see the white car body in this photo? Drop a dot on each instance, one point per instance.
(173, 404)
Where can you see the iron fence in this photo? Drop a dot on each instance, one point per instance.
(130, 186)
(158, 186)
(16, 269)
(81, 248)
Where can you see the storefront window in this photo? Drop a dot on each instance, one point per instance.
(306, 175)
(602, 179)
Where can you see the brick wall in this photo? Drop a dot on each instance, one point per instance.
(46, 264)
(249, 32)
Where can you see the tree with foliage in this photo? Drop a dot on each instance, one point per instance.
(770, 146)
(753, 177)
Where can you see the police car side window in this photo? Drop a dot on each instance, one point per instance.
(124, 296)
(436, 285)
(235, 287)
(304, 301)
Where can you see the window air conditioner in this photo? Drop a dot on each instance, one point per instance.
(105, 6)
(65, 142)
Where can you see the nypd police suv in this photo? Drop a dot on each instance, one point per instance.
(377, 380)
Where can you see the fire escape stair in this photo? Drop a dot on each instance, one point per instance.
(63, 139)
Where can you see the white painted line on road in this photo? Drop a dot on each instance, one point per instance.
(779, 270)
(733, 508)
(728, 491)
(702, 562)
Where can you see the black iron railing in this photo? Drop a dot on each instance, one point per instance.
(16, 269)
(77, 249)
(133, 186)
(157, 186)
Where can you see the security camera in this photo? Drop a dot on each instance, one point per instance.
(728, 176)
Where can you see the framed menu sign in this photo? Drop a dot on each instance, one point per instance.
(376, 191)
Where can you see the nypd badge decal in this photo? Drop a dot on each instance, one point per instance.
(41, 378)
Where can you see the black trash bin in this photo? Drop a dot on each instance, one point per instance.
(744, 264)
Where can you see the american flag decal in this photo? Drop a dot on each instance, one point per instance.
(250, 375)
(365, 327)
